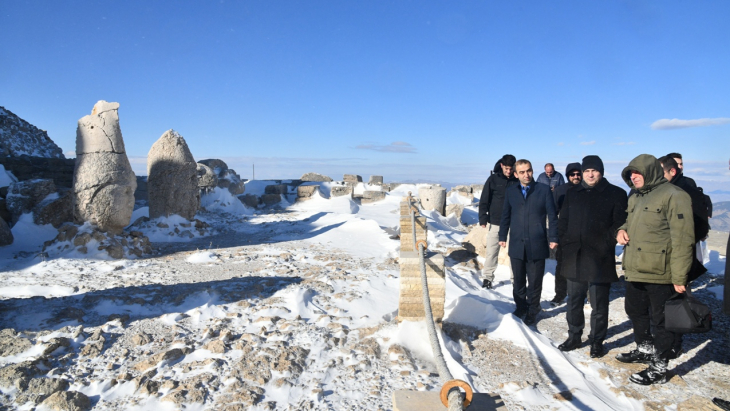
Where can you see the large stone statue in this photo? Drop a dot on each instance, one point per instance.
(172, 182)
(104, 182)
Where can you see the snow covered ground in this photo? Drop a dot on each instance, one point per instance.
(295, 307)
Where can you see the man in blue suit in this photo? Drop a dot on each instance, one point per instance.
(527, 206)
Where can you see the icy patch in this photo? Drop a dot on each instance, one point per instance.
(202, 257)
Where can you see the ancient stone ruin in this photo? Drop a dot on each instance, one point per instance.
(226, 177)
(104, 182)
(172, 178)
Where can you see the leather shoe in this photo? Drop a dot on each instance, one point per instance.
(570, 344)
(530, 319)
(558, 300)
(597, 350)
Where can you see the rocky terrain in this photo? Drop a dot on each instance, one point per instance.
(295, 308)
(18, 137)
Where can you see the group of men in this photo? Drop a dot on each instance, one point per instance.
(657, 224)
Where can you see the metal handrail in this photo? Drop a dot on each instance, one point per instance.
(455, 397)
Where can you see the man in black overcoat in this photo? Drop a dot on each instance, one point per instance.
(527, 207)
(575, 176)
(590, 215)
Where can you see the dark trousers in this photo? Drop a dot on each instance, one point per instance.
(527, 284)
(644, 304)
(599, 309)
(561, 283)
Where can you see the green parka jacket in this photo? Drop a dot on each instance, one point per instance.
(660, 227)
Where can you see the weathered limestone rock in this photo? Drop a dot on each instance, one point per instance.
(207, 177)
(68, 401)
(433, 198)
(378, 180)
(18, 375)
(340, 191)
(55, 210)
(465, 191)
(249, 200)
(6, 236)
(11, 343)
(315, 177)
(476, 240)
(352, 178)
(372, 196)
(306, 192)
(24, 195)
(232, 181)
(410, 301)
(218, 166)
(457, 209)
(172, 178)
(104, 182)
(40, 388)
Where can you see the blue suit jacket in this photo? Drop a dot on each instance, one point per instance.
(524, 219)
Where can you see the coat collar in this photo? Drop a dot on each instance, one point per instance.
(601, 186)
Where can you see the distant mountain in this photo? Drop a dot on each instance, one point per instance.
(720, 216)
(18, 137)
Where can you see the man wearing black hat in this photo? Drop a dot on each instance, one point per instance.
(575, 176)
(490, 211)
(590, 215)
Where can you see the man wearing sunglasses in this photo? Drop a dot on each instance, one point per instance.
(575, 176)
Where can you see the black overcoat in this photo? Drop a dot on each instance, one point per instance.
(587, 228)
(524, 219)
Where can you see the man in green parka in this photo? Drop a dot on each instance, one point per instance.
(658, 236)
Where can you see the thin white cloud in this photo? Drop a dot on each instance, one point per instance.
(588, 143)
(395, 147)
(561, 143)
(667, 124)
(624, 143)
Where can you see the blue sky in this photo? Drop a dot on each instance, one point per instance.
(409, 89)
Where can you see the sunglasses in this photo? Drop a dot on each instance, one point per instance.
(575, 174)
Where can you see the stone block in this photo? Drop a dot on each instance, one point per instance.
(457, 209)
(433, 198)
(372, 196)
(410, 302)
(315, 177)
(352, 178)
(306, 192)
(463, 190)
(277, 189)
(250, 200)
(341, 191)
(378, 180)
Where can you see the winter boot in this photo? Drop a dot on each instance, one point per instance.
(487, 284)
(642, 354)
(656, 373)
